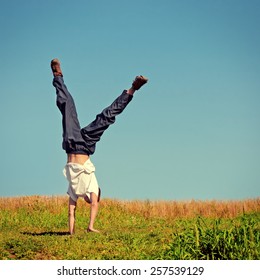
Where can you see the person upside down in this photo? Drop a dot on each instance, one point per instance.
(80, 143)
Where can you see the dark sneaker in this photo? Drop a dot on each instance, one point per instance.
(139, 82)
(55, 67)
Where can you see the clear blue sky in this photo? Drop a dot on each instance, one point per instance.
(193, 132)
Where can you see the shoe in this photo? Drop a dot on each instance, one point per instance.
(55, 67)
(139, 82)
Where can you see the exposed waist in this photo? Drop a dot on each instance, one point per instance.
(79, 157)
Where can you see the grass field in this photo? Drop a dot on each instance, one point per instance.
(35, 227)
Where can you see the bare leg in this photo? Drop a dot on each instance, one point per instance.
(93, 211)
(72, 209)
(131, 91)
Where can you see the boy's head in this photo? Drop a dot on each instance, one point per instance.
(86, 198)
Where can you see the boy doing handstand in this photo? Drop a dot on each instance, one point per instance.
(79, 143)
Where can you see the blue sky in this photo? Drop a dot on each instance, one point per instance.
(191, 133)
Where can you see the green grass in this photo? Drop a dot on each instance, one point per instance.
(217, 239)
(38, 230)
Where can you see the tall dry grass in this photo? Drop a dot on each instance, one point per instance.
(193, 208)
(54, 204)
(147, 208)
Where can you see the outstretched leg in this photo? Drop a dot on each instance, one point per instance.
(93, 132)
(72, 138)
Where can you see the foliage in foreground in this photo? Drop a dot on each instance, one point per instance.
(36, 228)
(239, 239)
